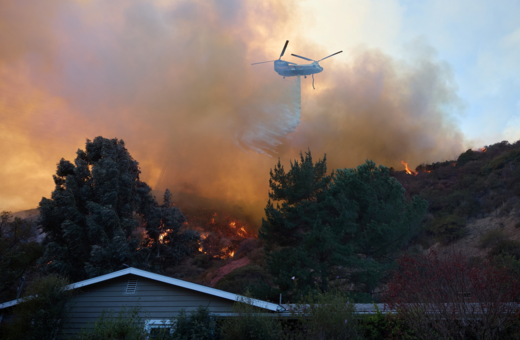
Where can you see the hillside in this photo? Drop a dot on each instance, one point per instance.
(474, 208)
(468, 192)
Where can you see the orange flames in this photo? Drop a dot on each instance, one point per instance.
(481, 150)
(162, 235)
(408, 171)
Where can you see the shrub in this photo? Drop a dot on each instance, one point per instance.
(126, 325)
(446, 298)
(385, 326)
(325, 316)
(448, 229)
(491, 238)
(506, 248)
(42, 313)
(251, 323)
(199, 325)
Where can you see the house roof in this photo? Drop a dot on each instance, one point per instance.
(168, 280)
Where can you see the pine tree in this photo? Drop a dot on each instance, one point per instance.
(343, 226)
(304, 235)
(91, 219)
(384, 221)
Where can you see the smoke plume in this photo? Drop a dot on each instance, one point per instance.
(174, 81)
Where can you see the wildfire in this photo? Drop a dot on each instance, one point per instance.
(162, 235)
(220, 233)
(482, 150)
(408, 171)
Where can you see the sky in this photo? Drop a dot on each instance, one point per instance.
(419, 81)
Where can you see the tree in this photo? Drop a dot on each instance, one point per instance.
(167, 239)
(340, 226)
(383, 220)
(42, 313)
(91, 219)
(19, 251)
(445, 298)
(304, 235)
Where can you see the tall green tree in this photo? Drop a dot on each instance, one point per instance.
(305, 231)
(91, 220)
(384, 221)
(346, 225)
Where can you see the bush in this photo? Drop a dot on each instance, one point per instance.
(251, 323)
(325, 316)
(448, 229)
(506, 248)
(491, 238)
(447, 299)
(41, 314)
(385, 326)
(127, 325)
(199, 325)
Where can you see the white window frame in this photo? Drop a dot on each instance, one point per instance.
(159, 323)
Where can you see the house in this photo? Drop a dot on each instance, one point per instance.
(159, 297)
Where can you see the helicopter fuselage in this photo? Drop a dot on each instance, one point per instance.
(287, 69)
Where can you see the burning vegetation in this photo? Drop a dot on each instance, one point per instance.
(220, 232)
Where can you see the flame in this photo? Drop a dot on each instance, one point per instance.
(162, 235)
(228, 255)
(482, 150)
(407, 169)
(233, 224)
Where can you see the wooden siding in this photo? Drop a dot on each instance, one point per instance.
(156, 300)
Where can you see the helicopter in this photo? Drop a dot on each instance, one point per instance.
(288, 69)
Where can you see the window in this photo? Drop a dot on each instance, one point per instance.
(158, 328)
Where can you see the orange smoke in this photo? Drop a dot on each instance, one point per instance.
(174, 81)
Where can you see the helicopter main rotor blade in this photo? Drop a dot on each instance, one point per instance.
(263, 62)
(295, 55)
(283, 51)
(330, 55)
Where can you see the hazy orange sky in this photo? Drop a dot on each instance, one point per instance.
(173, 80)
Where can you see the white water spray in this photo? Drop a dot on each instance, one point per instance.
(267, 125)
